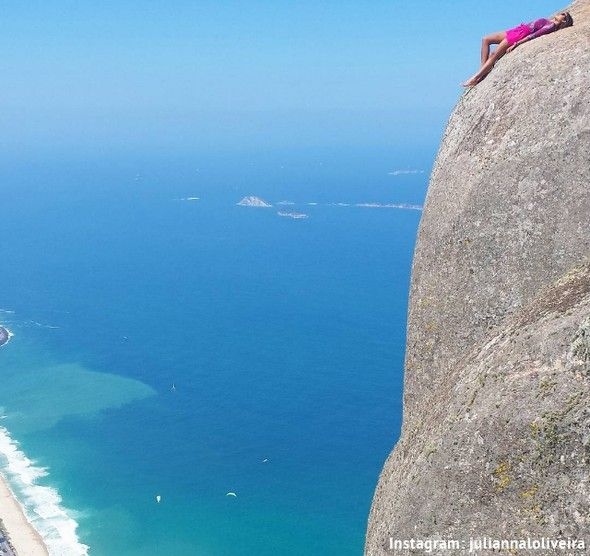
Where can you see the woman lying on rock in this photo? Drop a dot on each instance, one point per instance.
(507, 41)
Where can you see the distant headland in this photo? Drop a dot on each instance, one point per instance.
(5, 335)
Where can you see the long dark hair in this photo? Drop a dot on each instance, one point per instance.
(569, 21)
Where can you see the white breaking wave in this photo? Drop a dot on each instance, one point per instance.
(404, 206)
(40, 324)
(405, 172)
(41, 504)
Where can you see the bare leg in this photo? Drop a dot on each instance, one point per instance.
(486, 42)
(488, 65)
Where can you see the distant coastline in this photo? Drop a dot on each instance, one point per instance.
(17, 534)
(5, 335)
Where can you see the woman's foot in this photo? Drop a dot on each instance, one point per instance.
(473, 81)
(470, 82)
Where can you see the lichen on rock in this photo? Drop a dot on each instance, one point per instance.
(580, 346)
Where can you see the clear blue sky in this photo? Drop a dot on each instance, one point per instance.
(219, 74)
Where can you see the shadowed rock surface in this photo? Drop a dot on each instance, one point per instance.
(496, 437)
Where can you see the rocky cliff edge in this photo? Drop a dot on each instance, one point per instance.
(496, 432)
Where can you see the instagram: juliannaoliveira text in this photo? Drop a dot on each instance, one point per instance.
(473, 545)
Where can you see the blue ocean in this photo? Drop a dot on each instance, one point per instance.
(192, 377)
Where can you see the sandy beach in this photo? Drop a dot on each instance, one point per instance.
(23, 537)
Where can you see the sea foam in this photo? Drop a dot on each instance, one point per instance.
(41, 504)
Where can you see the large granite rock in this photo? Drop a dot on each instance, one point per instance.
(492, 401)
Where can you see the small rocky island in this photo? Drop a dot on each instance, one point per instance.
(252, 201)
(5, 335)
(294, 215)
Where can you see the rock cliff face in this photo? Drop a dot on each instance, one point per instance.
(496, 434)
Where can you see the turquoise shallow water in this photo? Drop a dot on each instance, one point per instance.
(188, 349)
